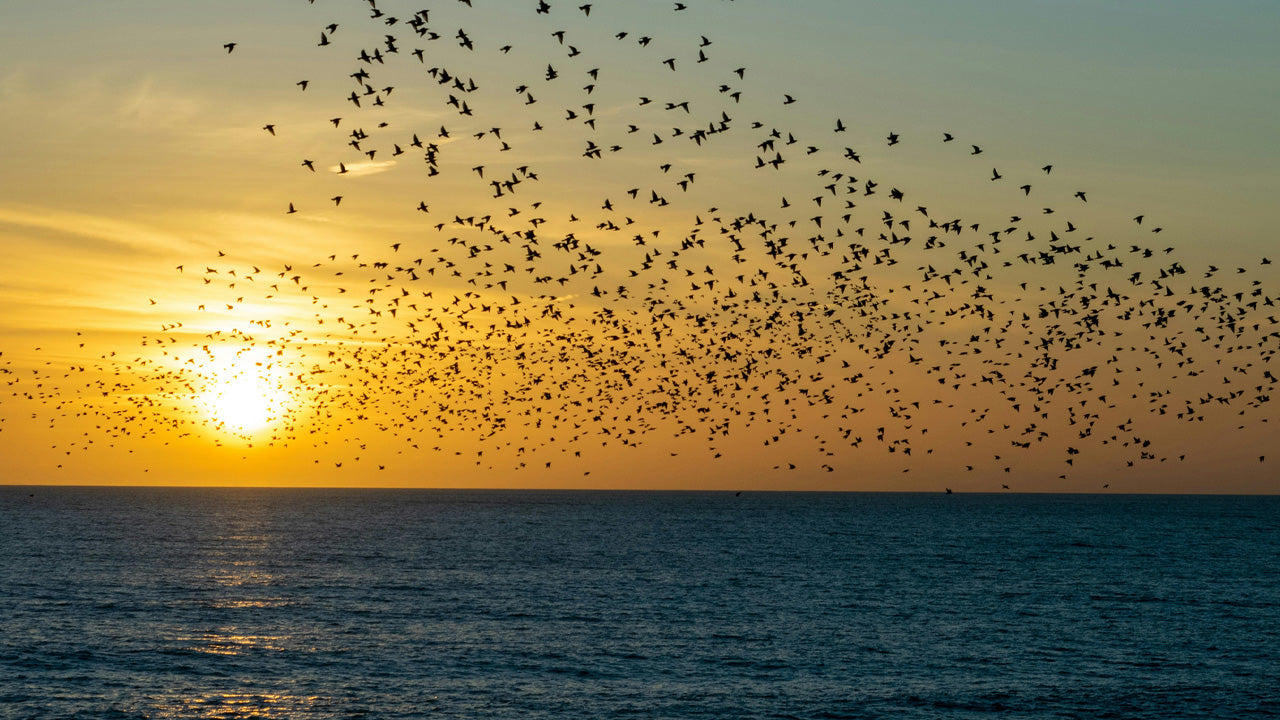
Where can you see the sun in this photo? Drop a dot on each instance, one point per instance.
(243, 404)
(242, 394)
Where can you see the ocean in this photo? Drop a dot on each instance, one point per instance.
(281, 603)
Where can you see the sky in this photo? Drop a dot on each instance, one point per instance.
(165, 320)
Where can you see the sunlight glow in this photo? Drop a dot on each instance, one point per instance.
(243, 405)
(243, 396)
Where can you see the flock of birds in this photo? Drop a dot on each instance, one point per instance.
(701, 264)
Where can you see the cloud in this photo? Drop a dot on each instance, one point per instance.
(362, 169)
(102, 98)
(111, 235)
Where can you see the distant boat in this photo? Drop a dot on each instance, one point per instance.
(948, 490)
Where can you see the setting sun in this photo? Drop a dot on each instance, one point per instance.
(243, 405)
(243, 393)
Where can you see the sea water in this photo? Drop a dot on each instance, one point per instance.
(274, 603)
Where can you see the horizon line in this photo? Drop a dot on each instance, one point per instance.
(627, 490)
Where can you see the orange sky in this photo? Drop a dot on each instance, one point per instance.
(164, 319)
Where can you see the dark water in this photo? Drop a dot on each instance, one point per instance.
(132, 603)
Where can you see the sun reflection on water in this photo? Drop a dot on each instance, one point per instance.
(237, 705)
(228, 641)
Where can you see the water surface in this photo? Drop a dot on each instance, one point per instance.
(229, 603)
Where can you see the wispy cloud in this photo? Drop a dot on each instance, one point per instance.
(91, 232)
(102, 98)
(150, 105)
(362, 169)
